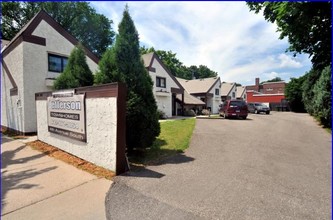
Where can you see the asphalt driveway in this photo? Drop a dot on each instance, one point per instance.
(274, 166)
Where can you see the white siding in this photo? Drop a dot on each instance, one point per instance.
(11, 110)
(215, 101)
(163, 96)
(28, 64)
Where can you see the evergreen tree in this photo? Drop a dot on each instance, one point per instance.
(108, 72)
(142, 124)
(76, 73)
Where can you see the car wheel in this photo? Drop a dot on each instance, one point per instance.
(256, 111)
(267, 113)
(244, 117)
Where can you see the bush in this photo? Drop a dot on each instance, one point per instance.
(205, 112)
(310, 80)
(322, 98)
(161, 114)
(189, 113)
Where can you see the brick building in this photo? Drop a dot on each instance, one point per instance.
(267, 87)
(270, 93)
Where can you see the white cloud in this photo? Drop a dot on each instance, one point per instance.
(238, 44)
(287, 61)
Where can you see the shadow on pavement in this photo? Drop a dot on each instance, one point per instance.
(5, 139)
(11, 180)
(176, 159)
(7, 157)
(141, 171)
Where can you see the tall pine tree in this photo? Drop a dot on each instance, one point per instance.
(142, 126)
(124, 62)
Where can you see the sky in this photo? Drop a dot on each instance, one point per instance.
(224, 36)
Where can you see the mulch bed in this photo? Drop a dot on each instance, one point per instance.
(71, 159)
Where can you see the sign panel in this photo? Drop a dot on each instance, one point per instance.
(66, 115)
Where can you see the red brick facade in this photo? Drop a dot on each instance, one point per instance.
(267, 88)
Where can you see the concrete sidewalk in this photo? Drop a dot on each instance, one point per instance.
(36, 186)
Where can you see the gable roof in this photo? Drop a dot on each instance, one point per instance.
(240, 91)
(25, 34)
(196, 86)
(148, 60)
(226, 88)
(190, 99)
(4, 44)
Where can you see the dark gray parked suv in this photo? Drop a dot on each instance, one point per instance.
(256, 107)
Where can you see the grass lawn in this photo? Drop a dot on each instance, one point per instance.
(174, 138)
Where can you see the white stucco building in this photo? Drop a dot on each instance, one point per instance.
(166, 87)
(31, 61)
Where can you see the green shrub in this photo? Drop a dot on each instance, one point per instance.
(310, 80)
(189, 113)
(76, 73)
(322, 98)
(161, 114)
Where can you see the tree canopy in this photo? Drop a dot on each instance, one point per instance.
(177, 68)
(275, 79)
(293, 92)
(93, 30)
(307, 25)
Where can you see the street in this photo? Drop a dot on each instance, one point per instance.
(275, 166)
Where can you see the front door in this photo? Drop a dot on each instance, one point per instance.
(173, 104)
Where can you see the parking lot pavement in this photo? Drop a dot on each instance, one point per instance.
(275, 166)
(35, 186)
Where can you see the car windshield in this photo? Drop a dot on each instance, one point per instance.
(258, 104)
(235, 103)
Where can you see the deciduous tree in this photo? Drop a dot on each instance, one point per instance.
(93, 30)
(307, 25)
(293, 93)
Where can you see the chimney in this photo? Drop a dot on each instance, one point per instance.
(257, 81)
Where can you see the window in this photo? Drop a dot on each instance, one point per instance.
(233, 94)
(217, 92)
(160, 82)
(57, 63)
